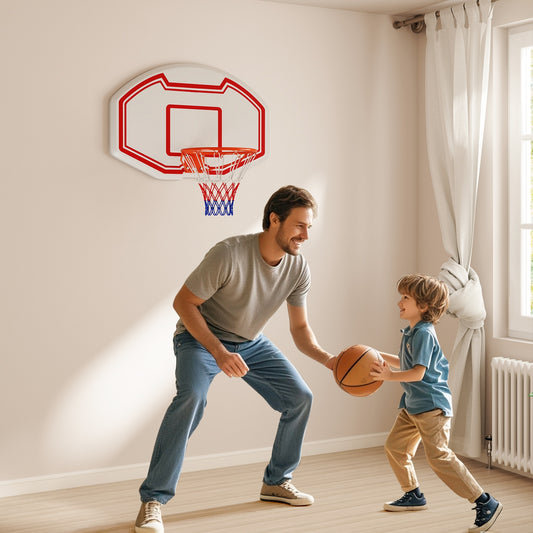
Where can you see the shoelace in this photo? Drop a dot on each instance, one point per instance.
(152, 511)
(405, 498)
(290, 487)
(480, 513)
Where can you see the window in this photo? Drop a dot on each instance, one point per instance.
(521, 182)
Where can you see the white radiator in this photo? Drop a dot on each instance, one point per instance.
(512, 413)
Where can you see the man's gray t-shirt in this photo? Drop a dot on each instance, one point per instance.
(242, 291)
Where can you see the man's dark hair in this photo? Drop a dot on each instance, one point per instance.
(284, 200)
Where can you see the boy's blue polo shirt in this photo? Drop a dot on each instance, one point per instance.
(420, 346)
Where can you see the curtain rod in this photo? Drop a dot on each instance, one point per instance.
(417, 22)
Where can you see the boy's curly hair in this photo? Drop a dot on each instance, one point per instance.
(426, 291)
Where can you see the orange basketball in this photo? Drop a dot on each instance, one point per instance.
(352, 370)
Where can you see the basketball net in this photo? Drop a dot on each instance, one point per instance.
(219, 172)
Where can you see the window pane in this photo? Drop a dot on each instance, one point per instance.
(528, 193)
(528, 254)
(527, 90)
(530, 84)
(520, 182)
(527, 183)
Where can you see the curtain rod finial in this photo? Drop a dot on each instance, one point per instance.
(417, 23)
(418, 27)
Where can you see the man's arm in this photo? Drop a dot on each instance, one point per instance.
(186, 305)
(304, 338)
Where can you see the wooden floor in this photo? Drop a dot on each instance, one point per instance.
(349, 490)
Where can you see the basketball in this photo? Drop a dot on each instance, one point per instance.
(352, 370)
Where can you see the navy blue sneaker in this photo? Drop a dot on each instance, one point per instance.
(408, 502)
(486, 514)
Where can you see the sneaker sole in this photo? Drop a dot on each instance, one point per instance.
(289, 501)
(488, 525)
(140, 529)
(399, 508)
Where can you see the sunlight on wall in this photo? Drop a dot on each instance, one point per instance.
(318, 183)
(115, 395)
(123, 389)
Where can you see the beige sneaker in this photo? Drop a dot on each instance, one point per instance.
(149, 518)
(285, 492)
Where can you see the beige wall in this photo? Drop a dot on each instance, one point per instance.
(94, 251)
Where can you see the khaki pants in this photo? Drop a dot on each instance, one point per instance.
(433, 429)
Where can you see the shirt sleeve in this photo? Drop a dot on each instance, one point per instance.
(212, 273)
(298, 296)
(422, 348)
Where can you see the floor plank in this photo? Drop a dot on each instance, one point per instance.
(349, 490)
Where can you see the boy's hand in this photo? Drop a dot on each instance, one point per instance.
(380, 371)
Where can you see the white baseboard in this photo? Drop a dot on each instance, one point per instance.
(71, 480)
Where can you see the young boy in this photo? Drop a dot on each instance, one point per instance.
(426, 405)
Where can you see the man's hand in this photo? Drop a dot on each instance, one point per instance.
(330, 363)
(231, 364)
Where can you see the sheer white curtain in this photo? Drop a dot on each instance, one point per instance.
(457, 73)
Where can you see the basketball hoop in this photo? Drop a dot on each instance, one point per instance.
(219, 171)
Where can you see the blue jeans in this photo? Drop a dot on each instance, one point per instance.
(270, 374)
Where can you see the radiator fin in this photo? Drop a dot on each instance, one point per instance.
(512, 413)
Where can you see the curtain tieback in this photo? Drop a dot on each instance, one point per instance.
(466, 297)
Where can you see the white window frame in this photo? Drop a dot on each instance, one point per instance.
(520, 319)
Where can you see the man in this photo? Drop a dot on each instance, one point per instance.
(223, 307)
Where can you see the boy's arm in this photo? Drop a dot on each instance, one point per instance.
(393, 360)
(383, 372)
